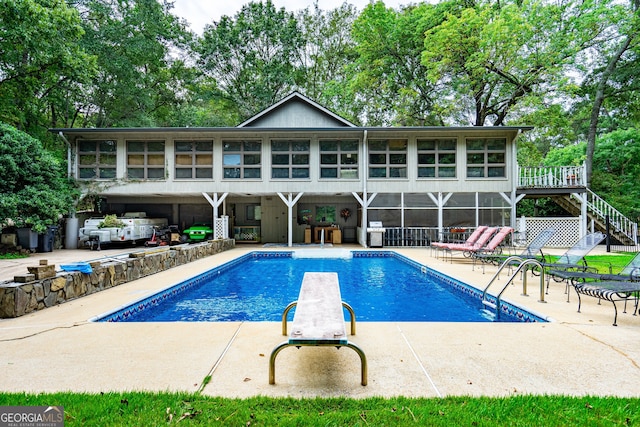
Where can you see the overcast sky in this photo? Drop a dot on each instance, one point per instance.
(201, 12)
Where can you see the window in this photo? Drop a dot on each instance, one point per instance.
(486, 157)
(388, 158)
(145, 159)
(194, 159)
(339, 159)
(242, 159)
(436, 158)
(97, 159)
(289, 159)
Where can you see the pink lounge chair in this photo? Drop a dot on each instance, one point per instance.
(473, 238)
(468, 250)
(493, 247)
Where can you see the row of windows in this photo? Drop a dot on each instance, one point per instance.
(290, 159)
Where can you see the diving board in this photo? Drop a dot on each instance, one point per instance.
(318, 320)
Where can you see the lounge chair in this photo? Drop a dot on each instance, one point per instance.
(473, 238)
(533, 250)
(630, 273)
(610, 291)
(495, 244)
(573, 259)
(487, 238)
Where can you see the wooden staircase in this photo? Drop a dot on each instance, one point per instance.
(621, 228)
(566, 185)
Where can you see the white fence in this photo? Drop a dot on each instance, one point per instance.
(566, 235)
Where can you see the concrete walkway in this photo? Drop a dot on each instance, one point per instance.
(576, 354)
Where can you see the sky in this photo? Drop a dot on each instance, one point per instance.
(201, 12)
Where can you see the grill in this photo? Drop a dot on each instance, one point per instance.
(376, 233)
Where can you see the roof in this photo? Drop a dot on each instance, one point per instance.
(304, 104)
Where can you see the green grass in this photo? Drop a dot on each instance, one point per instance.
(13, 255)
(616, 261)
(162, 409)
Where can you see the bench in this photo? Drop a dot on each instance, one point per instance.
(318, 320)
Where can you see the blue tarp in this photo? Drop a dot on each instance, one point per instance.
(82, 267)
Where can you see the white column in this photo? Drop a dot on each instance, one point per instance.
(290, 201)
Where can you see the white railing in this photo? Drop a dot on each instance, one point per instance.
(617, 221)
(552, 176)
(576, 176)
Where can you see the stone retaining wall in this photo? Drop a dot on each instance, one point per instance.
(18, 299)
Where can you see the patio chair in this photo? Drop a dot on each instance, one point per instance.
(533, 250)
(473, 238)
(610, 291)
(573, 259)
(630, 273)
(467, 250)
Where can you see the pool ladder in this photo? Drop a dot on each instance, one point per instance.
(524, 263)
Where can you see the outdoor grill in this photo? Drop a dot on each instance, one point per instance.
(376, 234)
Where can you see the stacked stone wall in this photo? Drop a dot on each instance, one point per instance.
(18, 298)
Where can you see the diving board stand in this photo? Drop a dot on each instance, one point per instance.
(318, 320)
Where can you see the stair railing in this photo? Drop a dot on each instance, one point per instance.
(600, 208)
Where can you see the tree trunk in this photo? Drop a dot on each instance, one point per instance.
(597, 103)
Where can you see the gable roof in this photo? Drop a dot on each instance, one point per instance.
(296, 110)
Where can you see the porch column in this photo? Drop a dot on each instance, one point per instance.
(290, 201)
(364, 202)
(582, 197)
(512, 200)
(215, 203)
(440, 202)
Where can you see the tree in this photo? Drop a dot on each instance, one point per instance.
(253, 58)
(616, 168)
(35, 192)
(141, 76)
(327, 53)
(390, 78)
(611, 53)
(40, 56)
(490, 58)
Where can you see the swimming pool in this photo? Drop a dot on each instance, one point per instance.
(379, 285)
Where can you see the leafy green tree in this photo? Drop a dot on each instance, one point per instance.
(254, 57)
(391, 85)
(328, 51)
(40, 58)
(616, 168)
(489, 59)
(141, 73)
(621, 30)
(35, 191)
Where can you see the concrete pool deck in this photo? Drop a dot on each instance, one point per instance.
(57, 349)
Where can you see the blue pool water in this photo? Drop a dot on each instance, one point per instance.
(380, 286)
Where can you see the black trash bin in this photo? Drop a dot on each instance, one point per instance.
(45, 241)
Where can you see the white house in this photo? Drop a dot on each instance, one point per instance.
(297, 165)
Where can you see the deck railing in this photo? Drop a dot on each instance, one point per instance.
(552, 176)
(576, 176)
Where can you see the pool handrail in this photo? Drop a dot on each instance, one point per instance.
(523, 263)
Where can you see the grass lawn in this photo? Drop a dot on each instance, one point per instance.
(606, 263)
(161, 409)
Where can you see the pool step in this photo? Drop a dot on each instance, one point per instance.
(489, 304)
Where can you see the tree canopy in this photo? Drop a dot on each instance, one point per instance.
(568, 68)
